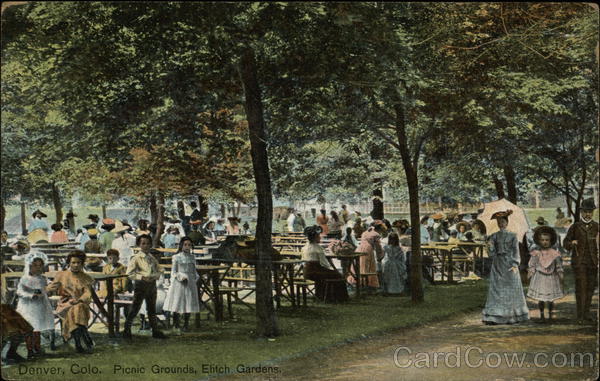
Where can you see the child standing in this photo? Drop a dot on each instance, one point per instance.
(182, 297)
(393, 266)
(34, 304)
(113, 267)
(545, 271)
(144, 270)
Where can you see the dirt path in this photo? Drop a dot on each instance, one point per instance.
(479, 352)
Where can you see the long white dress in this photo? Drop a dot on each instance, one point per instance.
(37, 311)
(183, 297)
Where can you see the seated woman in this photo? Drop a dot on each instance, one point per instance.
(209, 233)
(59, 235)
(74, 288)
(318, 269)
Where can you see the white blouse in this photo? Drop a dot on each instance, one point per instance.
(312, 252)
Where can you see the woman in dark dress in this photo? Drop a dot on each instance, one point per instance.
(318, 269)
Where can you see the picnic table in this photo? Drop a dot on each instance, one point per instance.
(289, 246)
(55, 244)
(354, 259)
(108, 278)
(283, 275)
(354, 268)
(475, 250)
(209, 286)
(16, 264)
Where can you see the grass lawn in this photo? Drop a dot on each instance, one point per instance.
(218, 347)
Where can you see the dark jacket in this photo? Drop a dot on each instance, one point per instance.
(586, 237)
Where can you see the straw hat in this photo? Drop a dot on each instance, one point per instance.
(119, 227)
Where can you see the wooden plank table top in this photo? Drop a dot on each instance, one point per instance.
(202, 268)
(52, 274)
(55, 244)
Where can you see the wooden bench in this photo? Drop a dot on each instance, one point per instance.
(302, 287)
(232, 293)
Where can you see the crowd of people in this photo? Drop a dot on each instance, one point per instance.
(385, 265)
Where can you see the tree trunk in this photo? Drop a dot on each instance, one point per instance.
(410, 170)
(180, 210)
(266, 324)
(203, 207)
(23, 219)
(222, 207)
(536, 194)
(499, 187)
(160, 226)
(511, 183)
(239, 209)
(2, 214)
(153, 210)
(71, 219)
(57, 202)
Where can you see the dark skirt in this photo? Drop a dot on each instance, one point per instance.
(336, 291)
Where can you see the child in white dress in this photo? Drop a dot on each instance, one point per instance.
(182, 297)
(545, 271)
(34, 304)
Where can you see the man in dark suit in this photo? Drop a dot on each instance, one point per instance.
(582, 241)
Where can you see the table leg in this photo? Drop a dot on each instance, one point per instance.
(443, 265)
(291, 284)
(217, 296)
(198, 286)
(100, 306)
(277, 286)
(110, 298)
(450, 267)
(356, 262)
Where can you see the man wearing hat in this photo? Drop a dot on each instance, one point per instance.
(107, 236)
(95, 221)
(581, 240)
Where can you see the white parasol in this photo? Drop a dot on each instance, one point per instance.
(517, 221)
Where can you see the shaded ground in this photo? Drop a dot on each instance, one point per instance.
(375, 358)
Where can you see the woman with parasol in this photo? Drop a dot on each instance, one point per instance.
(505, 302)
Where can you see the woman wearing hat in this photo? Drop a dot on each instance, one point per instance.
(545, 271)
(505, 302)
(318, 269)
(478, 231)
(233, 228)
(462, 227)
(37, 222)
(370, 243)
(323, 221)
(123, 241)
